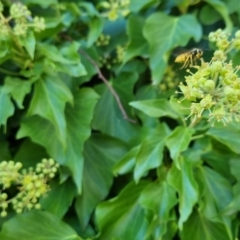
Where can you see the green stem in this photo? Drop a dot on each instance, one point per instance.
(197, 136)
(8, 72)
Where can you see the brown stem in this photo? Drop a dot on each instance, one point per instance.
(101, 76)
(111, 89)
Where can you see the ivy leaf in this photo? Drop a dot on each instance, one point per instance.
(7, 107)
(29, 154)
(100, 154)
(178, 141)
(202, 228)
(108, 117)
(136, 6)
(17, 88)
(59, 198)
(41, 225)
(159, 198)
(186, 186)
(155, 108)
(95, 27)
(222, 9)
(213, 183)
(49, 100)
(42, 3)
(29, 43)
(78, 131)
(228, 136)
(137, 43)
(117, 215)
(163, 33)
(127, 163)
(151, 152)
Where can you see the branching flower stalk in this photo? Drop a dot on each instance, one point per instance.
(32, 184)
(215, 86)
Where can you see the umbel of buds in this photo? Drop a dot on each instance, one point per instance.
(19, 21)
(215, 86)
(32, 184)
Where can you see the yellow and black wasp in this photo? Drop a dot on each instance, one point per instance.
(187, 58)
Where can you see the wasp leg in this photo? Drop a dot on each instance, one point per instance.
(185, 63)
(191, 61)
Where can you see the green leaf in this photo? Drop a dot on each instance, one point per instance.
(7, 107)
(122, 217)
(127, 163)
(160, 198)
(42, 3)
(150, 154)
(4, 50)
(4, 151)
(59, 198)
(163, 33)
(108, 117)
(217, 159)
(202, 228)
(29, 43)
(17, 88)
(184, 182)
(222, 9)
(137, 43)
(49, 100)
(228, 136)
(55, 55)
(178, 141)
(37, 225)
(78, 120)
(29, 154)
(95, 27)
(100, 154)
(136, 5)
(218, 187)
(208, 15)
(155, 108)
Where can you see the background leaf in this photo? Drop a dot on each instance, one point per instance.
(78, 131)
(180, 30)
(37, 224)
(126, 209)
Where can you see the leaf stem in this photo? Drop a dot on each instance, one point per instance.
(9, 72)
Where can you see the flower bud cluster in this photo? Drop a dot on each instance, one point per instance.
(19, 21)
(215, 86)
(32, 184)
(170, 80)
(115, 8)
(120, 51)
(103, 40)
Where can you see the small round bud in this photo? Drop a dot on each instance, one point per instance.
(37, 206)
(3, 196)
(216, 66)
(228, 91)
(3, 213)
(4, 204)
(209, 85)
(19, 210)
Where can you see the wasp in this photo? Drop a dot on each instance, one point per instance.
(187, 58)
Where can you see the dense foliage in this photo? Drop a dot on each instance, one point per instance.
(136, 147)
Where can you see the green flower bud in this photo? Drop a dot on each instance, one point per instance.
(3, 213)
(216, 66)
(209, 85)
(228, 91)
(3, 196)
